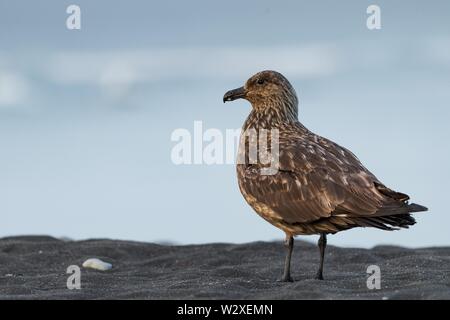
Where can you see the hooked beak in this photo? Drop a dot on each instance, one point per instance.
(234, 94)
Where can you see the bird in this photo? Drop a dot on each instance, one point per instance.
(318, 187)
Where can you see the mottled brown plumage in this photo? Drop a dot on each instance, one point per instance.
(320, 187)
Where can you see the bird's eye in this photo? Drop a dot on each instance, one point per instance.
(260, 81)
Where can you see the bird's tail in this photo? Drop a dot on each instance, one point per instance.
(393, 221)
(414, 207)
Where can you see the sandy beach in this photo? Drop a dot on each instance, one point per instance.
(34, 267)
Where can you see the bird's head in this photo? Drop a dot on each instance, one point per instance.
(266, 90)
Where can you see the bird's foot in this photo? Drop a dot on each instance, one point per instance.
(286, 279)
(319, 276)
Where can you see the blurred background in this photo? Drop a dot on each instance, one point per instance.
(86, 115)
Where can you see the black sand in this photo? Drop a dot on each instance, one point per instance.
(35, 268)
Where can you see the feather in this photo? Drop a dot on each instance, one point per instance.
(320, 187)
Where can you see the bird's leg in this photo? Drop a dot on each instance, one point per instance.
(322, 245)
(289, 243)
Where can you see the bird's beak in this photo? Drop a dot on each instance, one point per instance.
(234, 94)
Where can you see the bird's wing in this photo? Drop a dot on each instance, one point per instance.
(317, 180)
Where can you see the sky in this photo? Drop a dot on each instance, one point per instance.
(86, 116)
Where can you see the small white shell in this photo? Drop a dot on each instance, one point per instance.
(97, 264)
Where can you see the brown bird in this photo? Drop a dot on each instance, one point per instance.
(319, 187)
